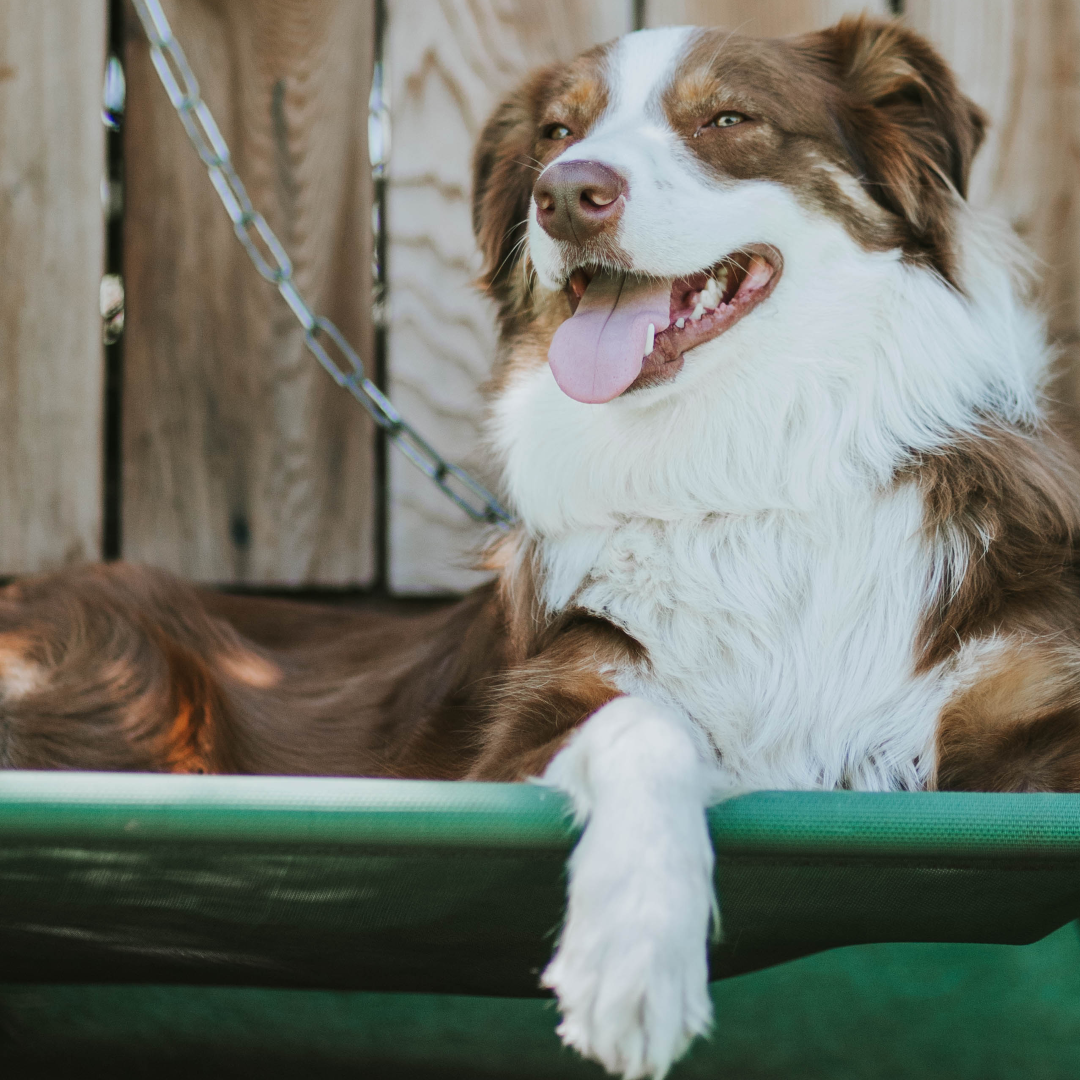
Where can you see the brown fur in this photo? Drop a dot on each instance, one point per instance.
(121, 667)
(512, 150)
(907, 127)
(1009, 500)
(867, 97)
(792, 100)
(1018, 727)
(536, 704)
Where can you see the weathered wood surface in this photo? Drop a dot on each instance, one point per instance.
(1020, 60)
(761, 18)
(242, 461)
(51, 252)
(450, 62)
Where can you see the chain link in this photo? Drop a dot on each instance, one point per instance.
(274, 264)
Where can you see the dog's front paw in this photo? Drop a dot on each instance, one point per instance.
(631, 971)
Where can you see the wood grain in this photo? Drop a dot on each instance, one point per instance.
(761, 18)
(450, 62)
(1020, 60)
(51, 255)
(242, 461)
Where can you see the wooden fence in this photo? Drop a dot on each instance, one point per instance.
(239, 461)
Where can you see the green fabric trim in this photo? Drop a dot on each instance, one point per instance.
(408, 885)
(913, 824)
(246, 809)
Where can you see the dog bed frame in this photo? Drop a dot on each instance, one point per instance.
(380, 885)
(410, 885)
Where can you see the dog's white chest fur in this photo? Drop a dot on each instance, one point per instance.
(788, 637)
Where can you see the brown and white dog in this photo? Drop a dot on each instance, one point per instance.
(769, 407)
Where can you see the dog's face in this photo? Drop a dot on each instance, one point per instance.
(639, 204)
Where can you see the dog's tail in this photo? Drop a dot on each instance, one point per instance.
(120, 667)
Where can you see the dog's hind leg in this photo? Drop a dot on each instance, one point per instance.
(1015, 724)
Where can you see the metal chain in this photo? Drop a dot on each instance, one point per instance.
(273, 263)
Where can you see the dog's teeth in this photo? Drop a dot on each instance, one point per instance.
(680, 323)
(695, 315)
(722, 279)
(710, 296)
(650, 339)
(757, 273)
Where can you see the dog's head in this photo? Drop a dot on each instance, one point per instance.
(647, 198)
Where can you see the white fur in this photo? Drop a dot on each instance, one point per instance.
(744, 523)
(855, 359)
(19, 676)
(630, 970)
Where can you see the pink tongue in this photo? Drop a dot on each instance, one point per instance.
(597, 353)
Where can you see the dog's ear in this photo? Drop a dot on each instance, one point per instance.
(909, 129)
(504, 170)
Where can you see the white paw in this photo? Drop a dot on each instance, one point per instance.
(631, 970)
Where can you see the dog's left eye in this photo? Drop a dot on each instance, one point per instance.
(556, 132)
(726, 119)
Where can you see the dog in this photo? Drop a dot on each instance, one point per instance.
(770, 407)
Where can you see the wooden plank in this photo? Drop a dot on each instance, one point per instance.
(761, 18)
(51, 255)
(1020, 60)
(449, 63)
(242, 461)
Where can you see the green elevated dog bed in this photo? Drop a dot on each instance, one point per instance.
(401, 892)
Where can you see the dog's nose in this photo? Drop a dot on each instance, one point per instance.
(577, 200)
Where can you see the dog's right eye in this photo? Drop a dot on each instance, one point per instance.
(557, 132)
(726, 119)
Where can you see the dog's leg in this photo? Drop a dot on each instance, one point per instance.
(631, 967)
